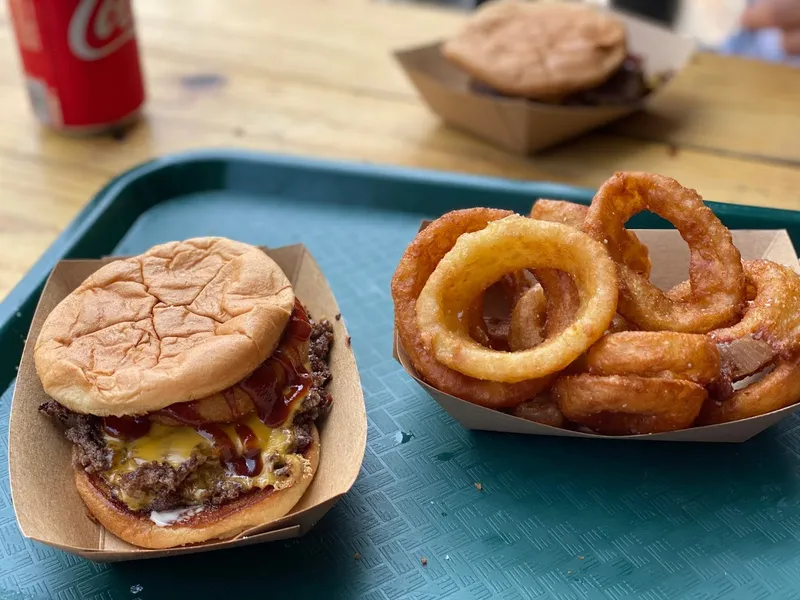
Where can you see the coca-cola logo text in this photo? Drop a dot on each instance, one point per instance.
(99, 28)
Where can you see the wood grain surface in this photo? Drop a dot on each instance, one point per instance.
(316, 77)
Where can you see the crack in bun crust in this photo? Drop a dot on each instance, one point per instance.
(180, 322)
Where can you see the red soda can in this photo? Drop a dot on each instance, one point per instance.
(81, 62)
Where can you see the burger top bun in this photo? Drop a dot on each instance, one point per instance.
(539, 49)
(177, 323)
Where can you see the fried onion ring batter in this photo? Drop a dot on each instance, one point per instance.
(770, 326)
(631, 250)
(715, 269)
(774, 314)
(667, 354)
(527, 320)
(559, 289)
(777, 389)
(418, 262)
(627, 404)
(511, 244)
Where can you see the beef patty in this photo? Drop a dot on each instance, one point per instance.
(202, 478)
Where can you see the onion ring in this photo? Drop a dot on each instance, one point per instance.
(416, 265)
(631, 251)
(770, 326)
(774, 314)
(542, 409)
(533, 319)
(715, 269)
(560, 294)
(666, 354)
(562, 300)
(627, 404)
(778, 389)
(559, 211)
(527, 320)
(502, 247)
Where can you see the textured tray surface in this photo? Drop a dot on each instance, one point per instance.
(555, 518)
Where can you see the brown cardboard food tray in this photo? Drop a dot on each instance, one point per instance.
(522, 126)
(670, 258)
(46, 502)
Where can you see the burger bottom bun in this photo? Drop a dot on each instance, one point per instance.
(226, 521)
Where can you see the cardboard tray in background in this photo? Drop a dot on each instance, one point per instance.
(523, 126)
(46, 503)
(670, 257)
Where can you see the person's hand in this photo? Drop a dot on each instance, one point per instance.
(779, 14)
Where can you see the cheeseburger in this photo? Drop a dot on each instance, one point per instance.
(188, 379)
(550, 52)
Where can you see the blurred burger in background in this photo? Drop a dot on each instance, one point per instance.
(550, 52)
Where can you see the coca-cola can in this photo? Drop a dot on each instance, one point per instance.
(81, 62)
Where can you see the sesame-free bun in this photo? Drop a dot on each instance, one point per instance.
(539, 50)
(180, 322)
(212, 522)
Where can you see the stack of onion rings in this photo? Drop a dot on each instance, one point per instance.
(723, 346)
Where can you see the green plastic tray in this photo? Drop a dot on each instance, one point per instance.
(556, 518)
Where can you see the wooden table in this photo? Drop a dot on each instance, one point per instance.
(316, 77)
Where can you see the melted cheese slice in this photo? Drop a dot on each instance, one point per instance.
(175, 445)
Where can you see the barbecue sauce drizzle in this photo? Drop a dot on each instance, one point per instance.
(283, 371)
(126, 428)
